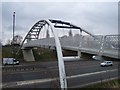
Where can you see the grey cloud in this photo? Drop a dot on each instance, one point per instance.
(98, 18)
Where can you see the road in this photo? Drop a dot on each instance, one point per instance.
(79, 74)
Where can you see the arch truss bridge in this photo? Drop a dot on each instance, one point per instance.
(48, 33)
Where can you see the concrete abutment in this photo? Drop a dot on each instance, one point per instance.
(28, 55)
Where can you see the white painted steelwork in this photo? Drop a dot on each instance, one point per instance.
(62, 73)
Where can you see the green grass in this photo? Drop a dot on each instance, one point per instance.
(44, 54)
(108, 84)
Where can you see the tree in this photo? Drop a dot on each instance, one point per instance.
(47, 34)
(17, 40)
(8, 42)
(70, 33)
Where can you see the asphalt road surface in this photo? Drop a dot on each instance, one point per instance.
(79, 74)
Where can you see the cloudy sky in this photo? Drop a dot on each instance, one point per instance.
(95, 17)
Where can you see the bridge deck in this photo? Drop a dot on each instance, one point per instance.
(73, 44)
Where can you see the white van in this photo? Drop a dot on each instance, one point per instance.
(10, 61)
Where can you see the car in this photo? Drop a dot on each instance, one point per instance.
(106, 63)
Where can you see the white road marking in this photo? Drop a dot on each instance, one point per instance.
(19, 83)
(86, 74)
(35, 81)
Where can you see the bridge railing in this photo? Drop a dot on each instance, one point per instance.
(103, 43)
(87, 41)
(90, 42)
(112, 42)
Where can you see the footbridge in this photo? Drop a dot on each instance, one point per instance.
(104, 46)
(58, 35)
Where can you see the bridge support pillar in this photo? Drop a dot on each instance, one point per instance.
(28, 55)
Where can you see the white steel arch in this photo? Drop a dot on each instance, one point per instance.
(62, 74)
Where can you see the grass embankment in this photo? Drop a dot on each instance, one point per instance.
(9, 52)
(40, 54)
(108, 85)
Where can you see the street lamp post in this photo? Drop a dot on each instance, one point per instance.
(13, 28)
(13, 33)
